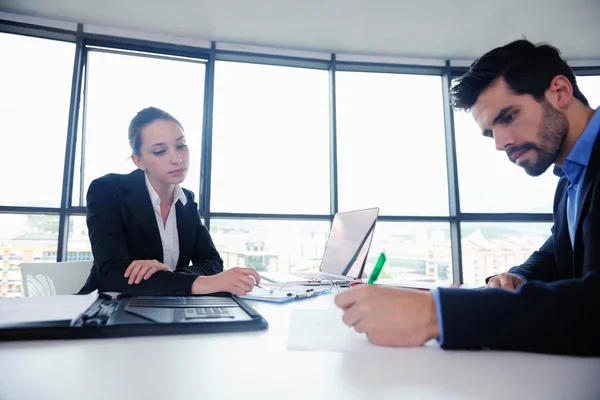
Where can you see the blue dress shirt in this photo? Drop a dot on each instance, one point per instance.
(575, 167)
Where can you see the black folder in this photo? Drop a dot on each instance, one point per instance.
(145, 314)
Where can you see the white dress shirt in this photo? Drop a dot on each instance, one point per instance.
(169, 235)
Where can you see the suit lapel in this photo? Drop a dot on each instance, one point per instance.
(562, 239)
(186, 227)
(139, 204)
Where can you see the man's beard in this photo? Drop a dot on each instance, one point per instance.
(552, 133)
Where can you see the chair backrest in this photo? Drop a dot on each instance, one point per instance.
(49, 279)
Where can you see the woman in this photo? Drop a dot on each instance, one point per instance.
(145, 229)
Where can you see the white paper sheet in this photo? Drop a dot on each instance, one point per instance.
(44, 308)
(318, 329)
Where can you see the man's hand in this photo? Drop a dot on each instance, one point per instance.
(143, 269)
(238, 281)
(505, 280)
(390, 317)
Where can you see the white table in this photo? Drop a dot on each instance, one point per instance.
(257, 365)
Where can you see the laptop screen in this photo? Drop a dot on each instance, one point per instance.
(349, 242)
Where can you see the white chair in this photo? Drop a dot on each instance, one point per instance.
(50, 279)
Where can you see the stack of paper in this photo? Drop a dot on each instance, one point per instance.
(44, 308)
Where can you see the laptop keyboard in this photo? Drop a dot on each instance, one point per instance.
(318, 276)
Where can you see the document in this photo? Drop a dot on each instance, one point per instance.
(277, 293)
(44, 308)
(323, 330)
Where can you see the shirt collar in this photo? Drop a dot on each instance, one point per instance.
(178, 193)
(582, 150)
(579, 156)
(558, 171)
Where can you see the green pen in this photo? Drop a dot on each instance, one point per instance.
(377, 269)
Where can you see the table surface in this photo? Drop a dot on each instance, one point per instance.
(258, 365)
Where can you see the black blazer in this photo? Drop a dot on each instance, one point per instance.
(558, 309)
(123, 228)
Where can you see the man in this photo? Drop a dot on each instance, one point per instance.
(525, 97)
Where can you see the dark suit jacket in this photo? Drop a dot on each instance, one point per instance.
(123, 228)
(558, 309)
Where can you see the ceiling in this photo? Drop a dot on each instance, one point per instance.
(437, 29)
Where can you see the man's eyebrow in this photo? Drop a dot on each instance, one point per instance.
(502, 114)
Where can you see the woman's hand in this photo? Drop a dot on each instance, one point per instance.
(238, 281)
(143, 269)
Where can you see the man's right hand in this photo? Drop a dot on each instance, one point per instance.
(238, 281)
(505, 280)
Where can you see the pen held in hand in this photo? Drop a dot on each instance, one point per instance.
(270, 291)
(377, 270)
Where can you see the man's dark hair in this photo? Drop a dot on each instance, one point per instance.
(527, 68)
(141, 120)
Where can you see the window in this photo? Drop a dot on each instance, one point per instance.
(391, 145)
(489, 182)
(35, 77)
(491, 248)
(590, 87)
(78, 244)
(414, 251)
(270, 245)
(270, 154)
(270, 140)
(120, 85)
(79, 256)
(24, 238)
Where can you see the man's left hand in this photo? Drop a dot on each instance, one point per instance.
(389, 316)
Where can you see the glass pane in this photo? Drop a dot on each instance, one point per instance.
(78, 244)
(419, 252)
(35, 82)
(121, 85)
(488, 180)
(24, 239)
(590, 87)
(270, 140)
(491, 248)
(269, 245)
(391, 145)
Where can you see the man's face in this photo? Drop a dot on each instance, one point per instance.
(531, 133)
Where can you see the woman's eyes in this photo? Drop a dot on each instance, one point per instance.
(161, 152)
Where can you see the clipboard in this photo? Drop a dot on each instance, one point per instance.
(278, 294)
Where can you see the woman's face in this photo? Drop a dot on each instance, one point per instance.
(164, 155)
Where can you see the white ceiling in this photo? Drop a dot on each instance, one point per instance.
(439, 29)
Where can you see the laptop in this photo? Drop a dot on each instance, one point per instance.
(345, 253)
